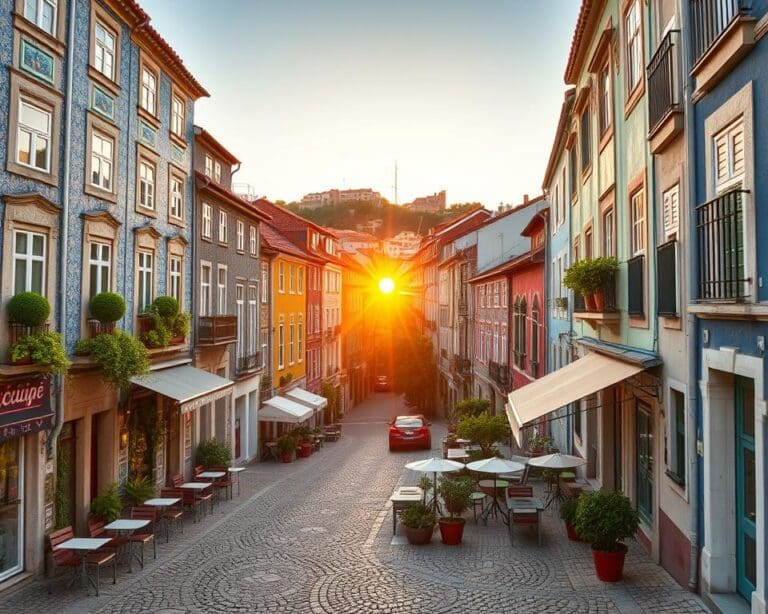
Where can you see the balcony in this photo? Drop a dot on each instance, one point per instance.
(216, 330)
(665, 114)
(722, 34)
(249, 363)
(499, 373)
(720, 248)
(607, 316)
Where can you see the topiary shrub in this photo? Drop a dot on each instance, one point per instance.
(604, 518)
(108, 307)
(212, 453)
(166, 306)
(29, 309)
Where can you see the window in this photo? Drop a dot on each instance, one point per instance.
(495, 347)
(586, 140)
(100, 268)
(576, 250)
(42, 13)
(29, 262)
(535, 336)
(300, 280)
(217, 171)
(174, 284)
(519, 320)
(609, 249)
(264, 344)
(177, 116)
(253, 318)
(281, 344)
(146, 185)
(604, 99)
(176, 209)
(221, 282)
(572, 166)
(239, 308)
(264, 287)
(104, 50)
(637, 215)
(253, 241)
(207, 215)
(645, 462)
(240, 236)
(300, 338)
(291, 334)
(34, 137)
(205, 289)
(148, 91)
(209, 166)
(588, 243)
(729, 156)
(222, 226)
(291, 279)
(146, 271)
(503, 357)
(677, 439)
(634, 59)
(671, 204)
(281, 276)
(102, 159)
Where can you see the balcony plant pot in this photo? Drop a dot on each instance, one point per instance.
(304, 450)
(451, 530)
(609, 565)
(589, 301)
(286, 457)
(599, 298)
(571, 532)
(146, 324)
(178, 340)
(26, 360)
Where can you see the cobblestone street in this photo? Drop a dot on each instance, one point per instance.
(315, 536)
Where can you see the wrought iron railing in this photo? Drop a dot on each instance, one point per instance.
(709, 19)
(663, 80)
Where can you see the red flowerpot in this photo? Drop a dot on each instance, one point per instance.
(572, 534)
(177, 340)
(451, 530)
(419, 537)
(599, 301)
(287, 457)
(27, 360)
(609, 565)
(589, 302)
(305, 450)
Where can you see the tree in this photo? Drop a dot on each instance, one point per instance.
(331, 394)
(416, 372)
(469, 407)
(484, 430)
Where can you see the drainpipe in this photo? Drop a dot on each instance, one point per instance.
(64, 239)
(690, 319)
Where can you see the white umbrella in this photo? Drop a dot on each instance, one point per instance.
(495, 465)
(434, 465)
(557, 461)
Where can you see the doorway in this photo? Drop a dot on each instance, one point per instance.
(645, 462)
(746, 502)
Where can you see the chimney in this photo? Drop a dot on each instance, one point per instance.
(525, 199)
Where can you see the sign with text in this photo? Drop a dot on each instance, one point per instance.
(25, 407)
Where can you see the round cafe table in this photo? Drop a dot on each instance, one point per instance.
(497, 490)
(558, 463)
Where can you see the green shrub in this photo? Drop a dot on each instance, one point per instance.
(418, 516)
(484, 430)
(107, 505)
(44, 348)
(108, 307)
(166, 306)
(158, 337)
(604, 518)
(568, 510)
(286, 444)
(121, 356)
(167, 322)
(212, 453)
(138, 489)
(29, 309)
(456, 493)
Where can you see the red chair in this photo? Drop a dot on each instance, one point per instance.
(96, 530)
(198, 470)
(224, 483)
(66, 559)
(174, 513)
(177, 480)
(525, 516)
(147, 534)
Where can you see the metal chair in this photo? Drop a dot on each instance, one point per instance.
(66, 559)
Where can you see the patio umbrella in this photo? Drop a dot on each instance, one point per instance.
(495, 465)
(557, 461)
(434, 465)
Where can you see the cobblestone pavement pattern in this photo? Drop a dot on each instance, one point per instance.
(315, 536)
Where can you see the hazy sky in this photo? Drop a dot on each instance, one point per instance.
(315, 94)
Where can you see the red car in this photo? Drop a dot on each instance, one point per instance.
(410, 431)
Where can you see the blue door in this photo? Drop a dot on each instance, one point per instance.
(746, 528)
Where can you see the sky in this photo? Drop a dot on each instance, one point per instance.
(317, 94)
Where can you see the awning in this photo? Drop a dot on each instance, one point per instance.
(575, 381)
(280, 409)
(305, 397)
(190, 387)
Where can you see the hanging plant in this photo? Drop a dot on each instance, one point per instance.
(121, 356)
(42, 348)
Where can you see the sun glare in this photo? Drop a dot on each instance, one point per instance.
(386, 285)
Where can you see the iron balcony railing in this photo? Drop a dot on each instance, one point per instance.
(216, 330)
(248, 363)
(720, 246)
(709, 19)
(463, 365)
(663, 80)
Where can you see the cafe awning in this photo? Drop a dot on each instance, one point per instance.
(189, 387)
(575, 381)
(280, 409)
(305, 397)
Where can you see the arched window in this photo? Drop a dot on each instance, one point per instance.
(520, 312)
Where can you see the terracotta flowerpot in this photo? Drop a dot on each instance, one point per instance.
(609, 565)
(452, 530)
(599, 301)
(305, 450)
(589, 302)
(287, 457)
(572, 534)
(419, 537)
(146, 324)
(177, 340)
(27, 360)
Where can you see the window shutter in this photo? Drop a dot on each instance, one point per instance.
(671, 211)
(721, 157)
(737, 144)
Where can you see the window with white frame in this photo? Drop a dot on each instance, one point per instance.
(495, 343)
(208, 166)
(104, 50)
(729, 156)
(253, 241)
(604, 98)
(222, 226)
(281, 343)
(317, 318)
(221, 284)
(29, 252)
(240, 236)
(240, 313)
(217, 171)
(634, 52)
(207, 215)
(100, 268)
(205, 289)
(609, 249)
(253, 318)
(291, 336)
(102, 161)
(535, 317)
(146, 185)
(33, 142)
(503, 352)
(671, 214)
(264, 287)
(42, 13)
(300, 280)
(291, 279)
(300, 339)
(281, 277)
(264, 345)
(174, 272)
(177, 116)
(149, 91)
(177, 198)
(677, 436)
(146, 284)
(637, 218)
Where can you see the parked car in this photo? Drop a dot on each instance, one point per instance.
(381, 384)
(410, 431)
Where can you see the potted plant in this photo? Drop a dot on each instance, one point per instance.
(41, 348)
(568, 514)
(138, 489)
(106, 309)
(286, 445)
(604, 518)
(213, 453)
(107, 505)
(304, 441)
(162, 323)
(419, 522)
(456, 494)
(540, 444)
(484, 430)
(28, 314)
(603, 269)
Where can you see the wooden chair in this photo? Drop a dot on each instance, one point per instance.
(147, 534)
(96, 530)
(174, 513)
(177, 480)
(224, 483)
(524, 516)
(198, 470)
(66, 559)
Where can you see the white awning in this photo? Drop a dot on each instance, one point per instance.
(280, 409)
(305, 397)
(575, 381)
(189, 387)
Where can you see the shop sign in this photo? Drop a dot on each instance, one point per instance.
(25, 407)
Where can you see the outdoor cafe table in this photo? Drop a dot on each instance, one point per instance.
(402, 498)
(126, 527)
(199, 486)
(161, 503)
(496, 489)
(211, 475)
(236, 471)
(457, 454)
(83, 546)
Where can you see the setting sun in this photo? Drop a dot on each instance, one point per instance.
(386, 285)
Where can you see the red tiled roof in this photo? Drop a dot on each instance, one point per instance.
(214, 144)
(504, 267)
(272, 238)
(206, 183)
(587, 13)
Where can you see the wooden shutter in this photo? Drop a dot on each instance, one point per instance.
(737, 148)
(671, 211)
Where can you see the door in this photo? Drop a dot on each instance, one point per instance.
(746, 528)
(237, 438)
(644, 462)
(65, 477)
